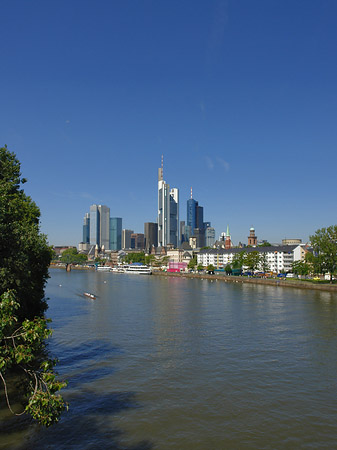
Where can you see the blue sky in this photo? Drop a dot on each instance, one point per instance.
(239, 96)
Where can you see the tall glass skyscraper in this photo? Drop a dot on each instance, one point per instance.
(168, 212)
(99, 225)
(86, 229)
(115, 233)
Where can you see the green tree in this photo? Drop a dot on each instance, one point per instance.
(324, 243)
(228, 269)
(200, 267)
(135, 257)
(210, 268)
(192, 263)
(71, 256)
(150, 260)
(252, 260)
(24, 260)
(238, 260)
(300, 268)
(264, 262)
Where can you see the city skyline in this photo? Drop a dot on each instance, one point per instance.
(240, 99)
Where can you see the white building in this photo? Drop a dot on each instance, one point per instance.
(278, 258)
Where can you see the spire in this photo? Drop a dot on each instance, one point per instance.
(227, 232)
(161, 169)
(191, 193)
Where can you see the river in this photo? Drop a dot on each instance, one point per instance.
(188, 364)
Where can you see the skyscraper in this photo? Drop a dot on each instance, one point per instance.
(126, 238)
(99, 225)
(151, 235)
(168, 212)
(115, 233)
(86, 229)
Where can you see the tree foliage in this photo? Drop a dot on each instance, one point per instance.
(135, 257)
(324, 243)
(71, 256)
(252, 260)
(193, 262)
(24, 260)
(238, 260)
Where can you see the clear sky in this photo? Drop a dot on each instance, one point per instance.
(239, 96)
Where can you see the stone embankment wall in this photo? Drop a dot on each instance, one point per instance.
(291, 283)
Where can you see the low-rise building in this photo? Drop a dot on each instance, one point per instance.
(278, 258)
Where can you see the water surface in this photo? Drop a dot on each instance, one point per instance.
(170, 363)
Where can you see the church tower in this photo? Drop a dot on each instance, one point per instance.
(252, 239)
(228, 241)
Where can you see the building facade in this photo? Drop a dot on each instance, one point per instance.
(86, 229)
(168, 212)
(209, 236)
(115, 233)
(151, 235)
(278, 258)
(137, 241)
(126, 238)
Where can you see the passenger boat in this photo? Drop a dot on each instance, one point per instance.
(92, 296)
(103, 268)
(138, 269)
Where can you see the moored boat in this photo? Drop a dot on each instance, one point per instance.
(138, 269)
(87, 294)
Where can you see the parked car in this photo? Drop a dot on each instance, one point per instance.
(281, 275)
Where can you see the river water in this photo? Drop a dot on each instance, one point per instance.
(189, 364)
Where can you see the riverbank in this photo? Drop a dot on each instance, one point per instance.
(290, 283)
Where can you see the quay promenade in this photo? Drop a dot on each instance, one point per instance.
(291, 283)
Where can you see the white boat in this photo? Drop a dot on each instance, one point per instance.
(103, 268)
(92, 296)
(138, 269)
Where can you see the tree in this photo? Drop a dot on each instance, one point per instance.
(264, 262)
(252, 260)
(210, 268)
(71, 256)
(24, 261)
(228, 269)
(238, 260)
(200, 267)
(135, 257)
(192, 263)
(300, 268)
(324, 243)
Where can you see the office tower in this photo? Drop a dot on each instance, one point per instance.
(199, 234)
(126, 238)
(99, 225)
(200, 216)
(191, 221)
(94, 225)
(137, 241)
(104, 226)
(151, 235)
(174, 217)
(167, 200)
(86, 229)
(209, 236)
(115, 233)
(183, 237)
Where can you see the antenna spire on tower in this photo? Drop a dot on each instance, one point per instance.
(191, 192)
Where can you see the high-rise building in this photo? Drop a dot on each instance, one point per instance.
(126, 238)
(99, 225)
(94, 225)
(151, 235)
(209, 236)
(86, 229)
(137, 241)
(174, 217)
(168, 212)
(115, 233)
(183, 237)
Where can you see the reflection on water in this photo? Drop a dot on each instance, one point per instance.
(170, 363)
